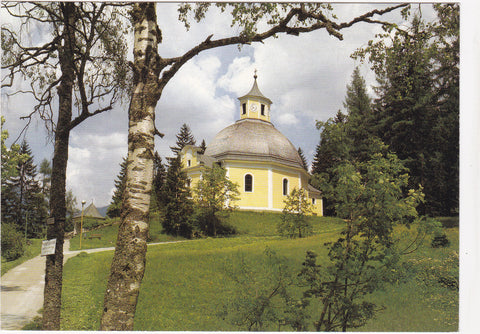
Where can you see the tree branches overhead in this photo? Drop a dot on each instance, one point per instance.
(98, 56)
(292, 19)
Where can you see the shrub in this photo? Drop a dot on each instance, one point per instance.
(13, 243)
(440, 241)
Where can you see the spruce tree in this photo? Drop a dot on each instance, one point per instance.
(347, 137)
(302, 156)
(115, 207)
(24, 202)
(159, 176)
(184, 137)
(417, 109)
(359, 116)
(178, 219)
(203, 147)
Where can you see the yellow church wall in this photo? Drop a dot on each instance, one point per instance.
(294, 181)
(267, 187)
(187, 155)
(258, 197)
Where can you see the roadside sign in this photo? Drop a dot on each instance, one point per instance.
(48, 247)
(50, 221)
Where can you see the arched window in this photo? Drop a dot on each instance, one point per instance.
(285, 187)
(248, 183)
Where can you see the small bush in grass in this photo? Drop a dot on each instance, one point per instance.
(13, 242)
(295, 222)
(440, 241)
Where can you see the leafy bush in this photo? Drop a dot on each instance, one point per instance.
(13, 243)
(295, 222)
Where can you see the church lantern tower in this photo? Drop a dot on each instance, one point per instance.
(254, 104)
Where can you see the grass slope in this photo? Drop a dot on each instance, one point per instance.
(31, 250)
(186, 284)
(109, 233)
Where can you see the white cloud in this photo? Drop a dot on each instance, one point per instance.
(288, 119)
(94, 164)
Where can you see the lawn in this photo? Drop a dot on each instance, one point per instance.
(186, 285)
(31, 250)
(109, 232)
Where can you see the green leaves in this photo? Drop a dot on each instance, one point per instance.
(295, 222)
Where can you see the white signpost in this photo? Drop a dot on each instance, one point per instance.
(48, 247)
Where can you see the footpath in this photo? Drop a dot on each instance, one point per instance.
(22, 288)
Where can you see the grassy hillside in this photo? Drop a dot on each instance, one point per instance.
(187, 285)
(32, 249)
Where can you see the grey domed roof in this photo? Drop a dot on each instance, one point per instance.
(255, 140)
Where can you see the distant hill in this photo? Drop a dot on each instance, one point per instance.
(103, 210)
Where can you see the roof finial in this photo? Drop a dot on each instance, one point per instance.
(255, 74)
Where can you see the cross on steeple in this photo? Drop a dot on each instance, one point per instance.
(255, 74)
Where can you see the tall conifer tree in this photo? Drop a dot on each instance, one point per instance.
(114, 209)
(302, 156)
(177, 201)
(24, 201)
(417, 111)
(159, 176)
(184, 137)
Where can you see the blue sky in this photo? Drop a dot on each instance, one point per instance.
(304, 76)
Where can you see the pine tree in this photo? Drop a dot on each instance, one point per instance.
(417, 109)
(184, 137)
(24, 202)
(203, 147)
(177, 200)
(359, 117)
(302, 156)
(347, 137)
(159, 176)
(328, 152)
(115, 207)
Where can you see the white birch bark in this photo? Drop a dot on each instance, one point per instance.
(128, 265)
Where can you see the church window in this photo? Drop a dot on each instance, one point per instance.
(189, 163)
(285, 187)
(244, 108)
(248, 183)
(263, 110)
(313, 201)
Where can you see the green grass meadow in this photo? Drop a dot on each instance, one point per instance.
(187, 284)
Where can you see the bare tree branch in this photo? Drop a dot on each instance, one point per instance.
(300, 13)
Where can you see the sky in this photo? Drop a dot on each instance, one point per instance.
(304, 76)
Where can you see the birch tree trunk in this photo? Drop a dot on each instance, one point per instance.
(128, 265)
(54, 263)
